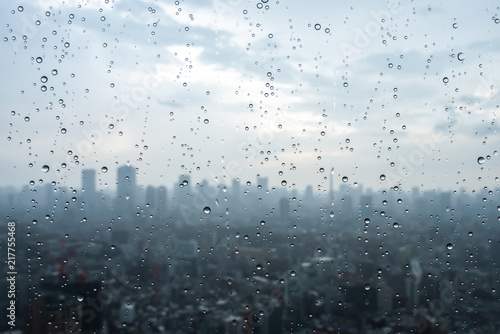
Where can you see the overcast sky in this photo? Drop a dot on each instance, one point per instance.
(235, 89)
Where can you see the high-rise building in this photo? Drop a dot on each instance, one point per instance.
(88, 182)
(162, 201)
(151, 197)
(284, 208)
(126, 190)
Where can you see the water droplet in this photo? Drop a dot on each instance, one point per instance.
(367, 220)
(26, 119)
(283, 183)
(20, 8)
(45, 168)
(207, 210)
(449, 246)
(382, 177)
(44, 79)
(113, 247)
(460, 56)
(345, 179)
(446, 80)
(39, 60)
(480, 160)
(104, 169)
(258, 267)
(206, 121)
(54, 72)
(63, 130)
(367, 286)
(262, 223)
(455, 25)
(317, 26)
(34, 222)
(292, 273)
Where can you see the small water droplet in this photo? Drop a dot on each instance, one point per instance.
(367, 286)
(317, 26)
(449, 246)
(104, 169)
(460, 56)
(446, 80)
(345, 179)
(480, 160)
(292, 273)
(80, 297)
(45, 168)
(283, 183)
(382, 177)
(39, 60)
(207, 210)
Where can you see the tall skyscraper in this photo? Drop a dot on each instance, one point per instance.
(88, 182)
(330, 196)
(162, 201)
(89, 189)
(126, 189)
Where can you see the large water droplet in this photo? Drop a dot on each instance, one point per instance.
(449, 246)
(382, 177)
(480, 160)
(45, 168)
(460, 56)
(104, 169)
(207, 210)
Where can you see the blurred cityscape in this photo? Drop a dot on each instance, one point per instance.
(246, 257)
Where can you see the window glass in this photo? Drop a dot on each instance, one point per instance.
(234, 166)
